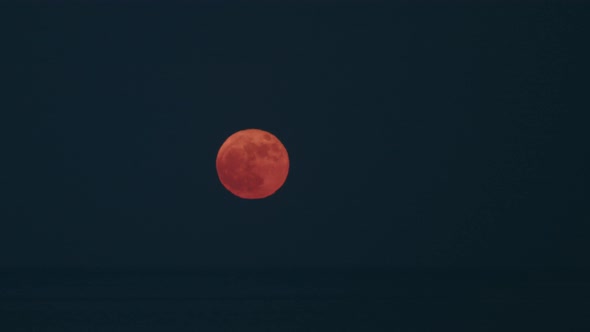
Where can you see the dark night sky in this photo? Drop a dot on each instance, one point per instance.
(419, 135)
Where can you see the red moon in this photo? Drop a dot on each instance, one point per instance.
(252, 164)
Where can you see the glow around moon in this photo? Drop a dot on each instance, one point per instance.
(252, 164)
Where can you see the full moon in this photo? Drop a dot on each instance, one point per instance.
(252, 164)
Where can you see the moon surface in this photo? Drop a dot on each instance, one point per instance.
(252, 164)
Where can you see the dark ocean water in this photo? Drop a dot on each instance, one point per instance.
(294, 300)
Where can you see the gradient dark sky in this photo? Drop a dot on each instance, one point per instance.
(426, 135)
